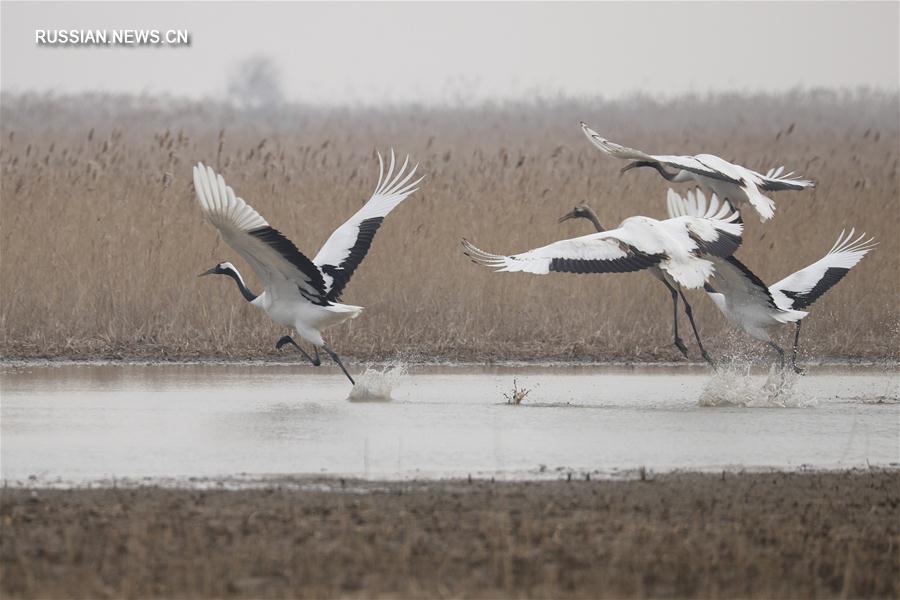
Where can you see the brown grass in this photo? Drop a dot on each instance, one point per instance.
(101, 239)
(683, 536)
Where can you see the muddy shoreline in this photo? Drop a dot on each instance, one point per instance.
(776, 534)
(440, 360)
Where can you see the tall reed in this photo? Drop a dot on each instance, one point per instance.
(101, 238)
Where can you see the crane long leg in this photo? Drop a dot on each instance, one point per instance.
(780, 352)
(679, 343)
(338, 361)
(289, 340)
(797, 369)
(690, 316)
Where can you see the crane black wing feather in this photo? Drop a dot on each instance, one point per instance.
(346, 248)
(286, 248)
(802, 300)
(799, 290)
(635, 261)
(341, 273)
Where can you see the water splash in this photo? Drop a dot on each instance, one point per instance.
(733, 385)
(376, 384)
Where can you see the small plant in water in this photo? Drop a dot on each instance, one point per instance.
(517, 394)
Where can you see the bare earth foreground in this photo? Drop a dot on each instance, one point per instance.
(732, 535)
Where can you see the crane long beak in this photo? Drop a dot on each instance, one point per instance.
(207, 272)
(567, 216)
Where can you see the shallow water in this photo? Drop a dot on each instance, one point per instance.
(76, 424)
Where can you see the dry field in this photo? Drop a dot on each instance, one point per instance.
(101, 239)
(685, 535)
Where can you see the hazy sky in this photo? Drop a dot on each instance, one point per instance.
(447, 52)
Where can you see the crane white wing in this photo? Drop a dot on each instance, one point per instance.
(753, 184)
(613, 149)
(694, 204)
(692, 164)
(273, 257)
(595, 253)
(691, 241)
(776, 180)
(639, 242)
(723, 169)
(703, 236)
(801, 289)
(348, 245)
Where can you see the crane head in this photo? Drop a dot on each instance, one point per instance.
(223, 268)
(582, 211)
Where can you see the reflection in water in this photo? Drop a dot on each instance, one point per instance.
(86, 423)
(301, 420)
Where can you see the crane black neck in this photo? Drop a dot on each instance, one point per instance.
(655, 165)
(245, 291)
(592, 217)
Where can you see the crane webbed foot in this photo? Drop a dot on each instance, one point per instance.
(708, 358)
(679, 343)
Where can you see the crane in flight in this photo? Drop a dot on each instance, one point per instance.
(583, 211)
(751, 305)
(681, 248)
(299, 293)
(730, 182)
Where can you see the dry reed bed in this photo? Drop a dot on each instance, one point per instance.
(101, 239)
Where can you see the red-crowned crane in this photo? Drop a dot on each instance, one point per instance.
(756, 308)
(730, 182)
(298, 292)
(681, 248)
(583, 211)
